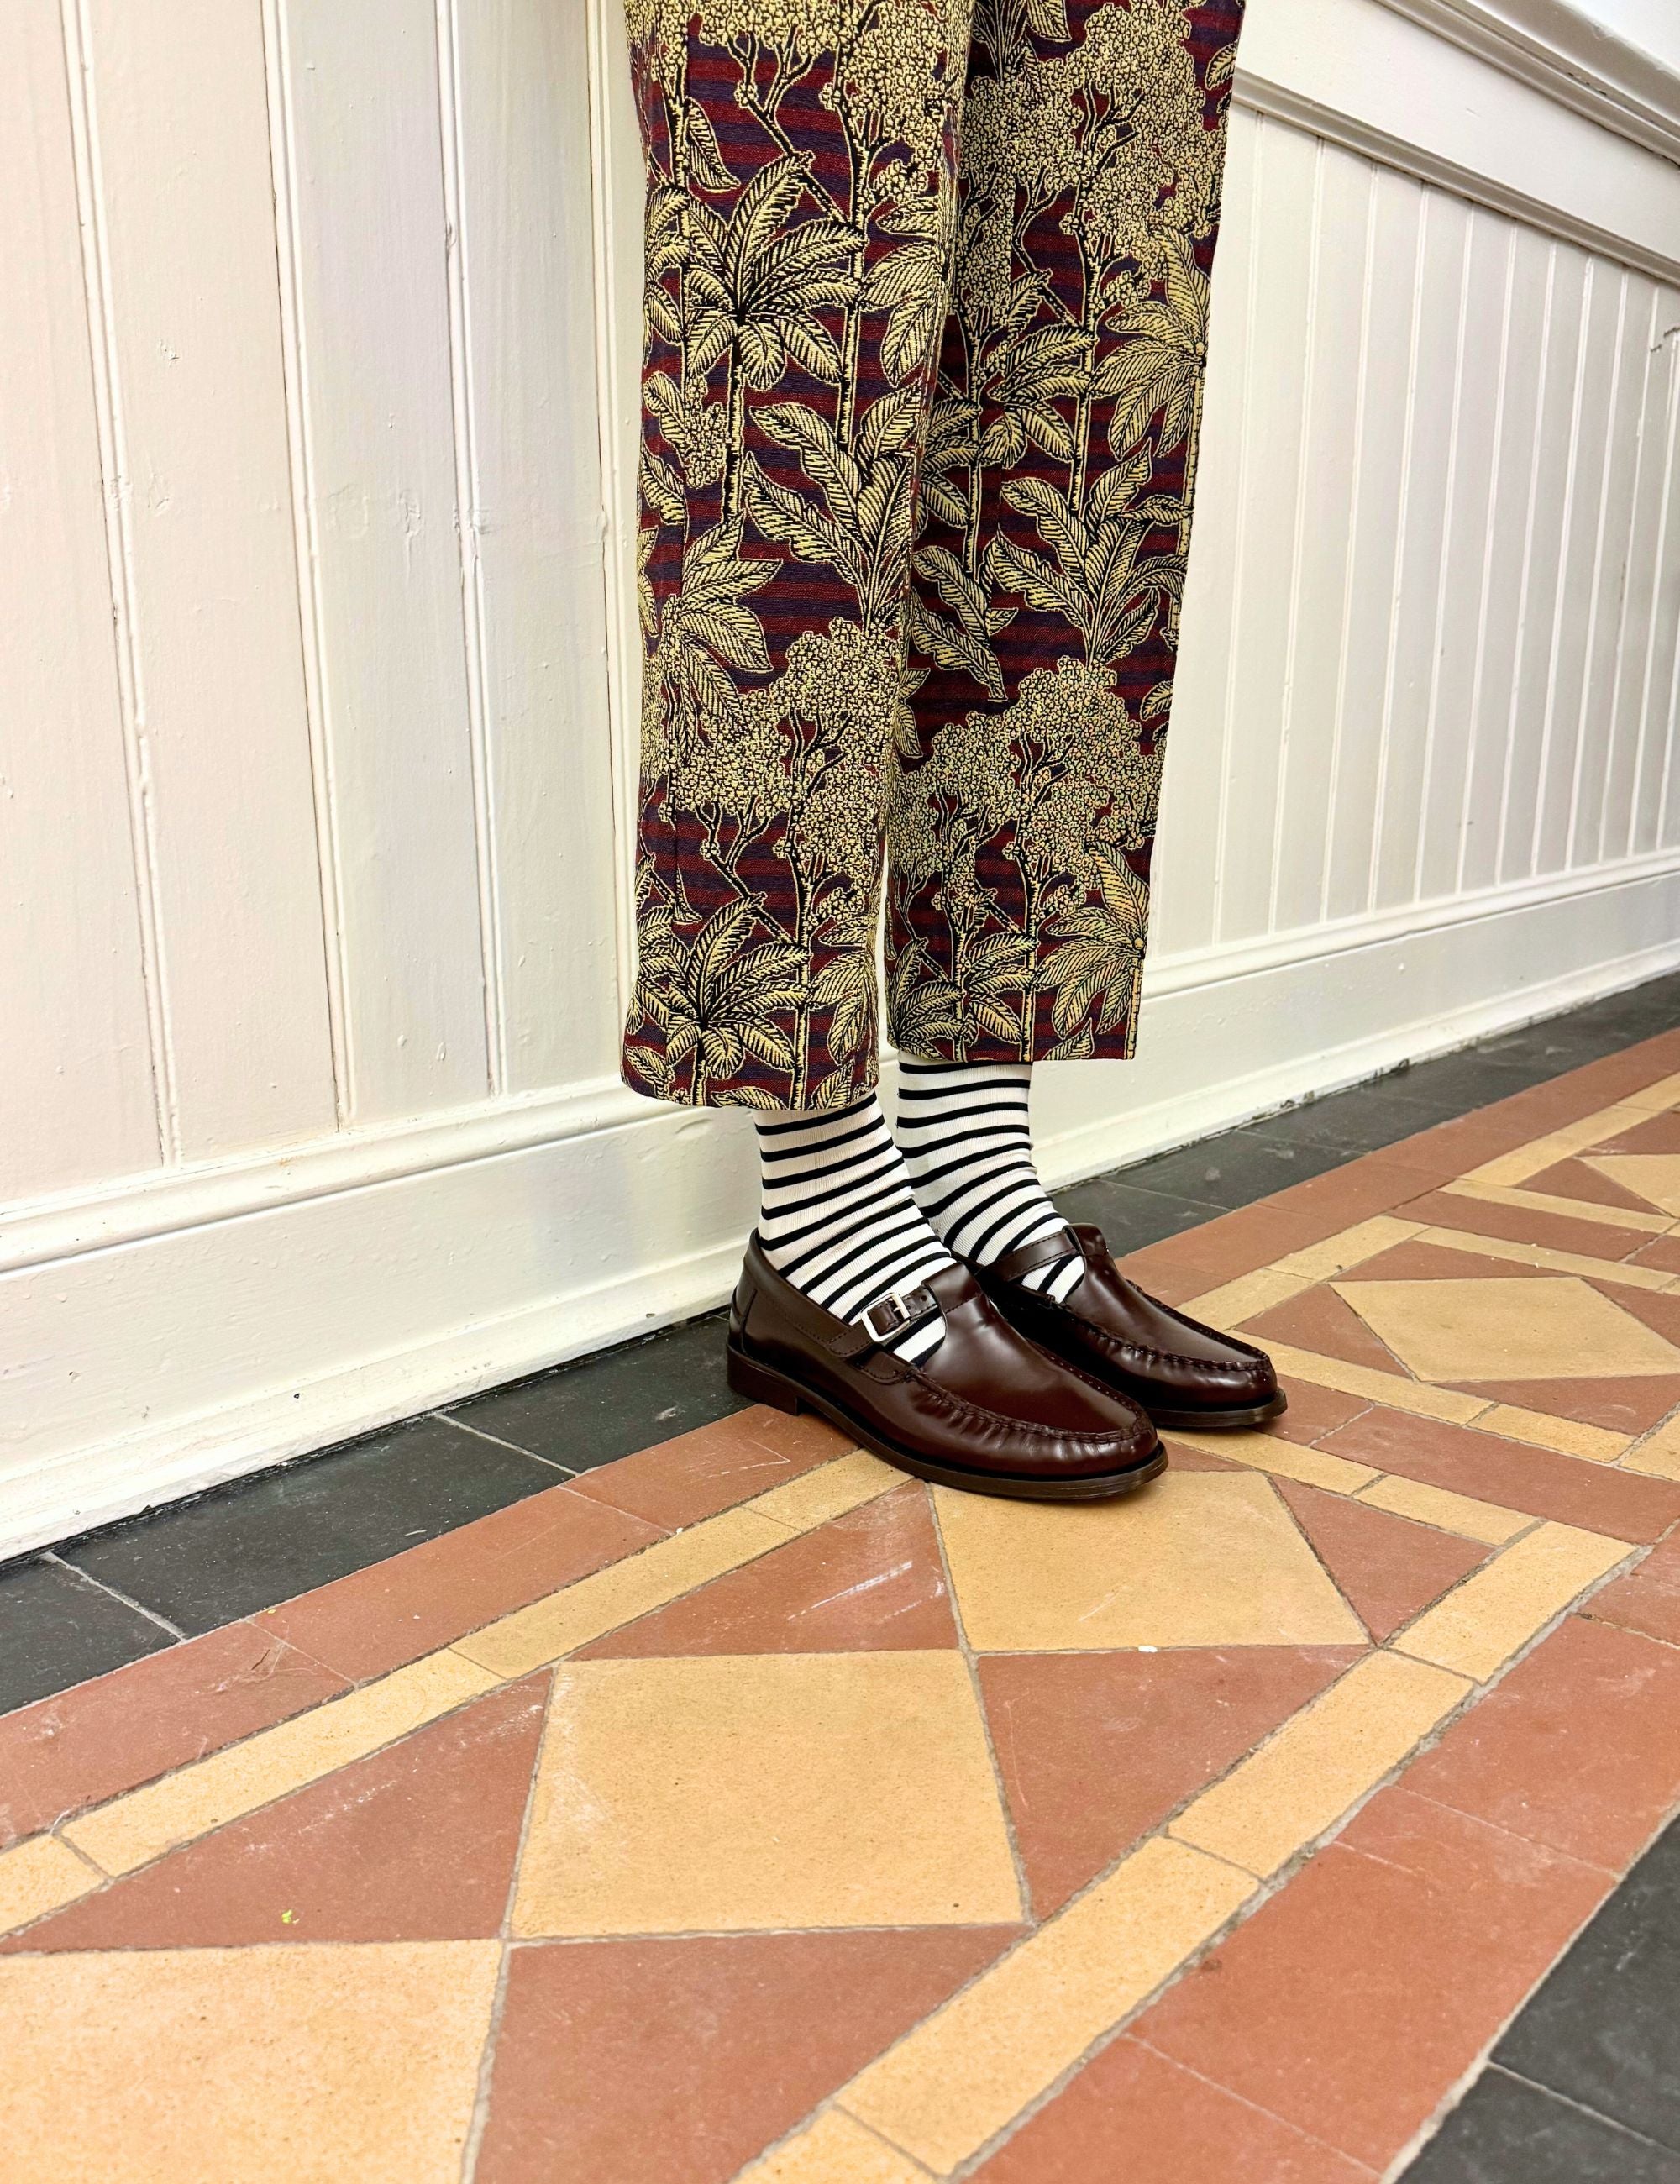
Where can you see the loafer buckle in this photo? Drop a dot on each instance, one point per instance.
(898, 1312)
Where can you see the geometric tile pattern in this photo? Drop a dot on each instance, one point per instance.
(749, 1810)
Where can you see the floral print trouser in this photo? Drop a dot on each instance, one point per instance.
(927, 317)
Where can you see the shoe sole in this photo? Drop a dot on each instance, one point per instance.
(759, 1383)
(1257, 1414)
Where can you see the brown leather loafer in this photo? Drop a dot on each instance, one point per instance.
(1180, 1372)
(987, 1410)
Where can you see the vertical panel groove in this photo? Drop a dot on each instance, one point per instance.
(616, 514)
(1541, 367)
(468, 518)
(1671, 493)
(295, 365)
(119, 560)
(1355, 483)
(1432, 709)
(1298, 532)
(1600, 531)
(1474, 729)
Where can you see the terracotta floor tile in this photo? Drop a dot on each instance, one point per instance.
(1490, 1469)
(1657, 1310)
(1320, 1321)
(1663, 1252)
(1132, 2113)
(1198, 1559)
(87, 1744)
(678, 1482)
(1522, 1224)
(834, 2148)
(1421, 1262)
(415, 1844)
(1096, 1749)
(394, 1611)
(1629, 1406)
(1480, 1625)
(1578, 1748)
(1314, 1412)
(1651, 1180)
(765, 1791)
(621, 2062)
(1354, 2000)
(1576, 1178)
(871, 1580)
(236, 2066)
(1497, 1328)
(1657, 1133)
(1385, 1567)
(1648, 1599)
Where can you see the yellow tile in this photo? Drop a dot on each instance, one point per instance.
(1498, 1609)
(1318, 1262)
(1572, 1209)
(1542, 1255)
(1447, 1512)
(532, 1636)
(1658, 1456)
(732, 1793)
(1245, 1298)
(1392, 1389)
(133, 1829)
(236, 2066)
(1203, 1558)
(1654, 1176)
(1521, 1161)
(967, 2070)
(1282, 1459)
(1510, 1329)
(817, 1496)
(1654, 1099)
(834, 2150)
(1568, 1436)
(38, 1876)
(1319, 1762)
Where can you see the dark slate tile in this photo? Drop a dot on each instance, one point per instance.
(1362, 1120)
(1130, 1219)
(57, 1628)
(616, 1402)
(245, 1546)
(1507, 2132)
(1232, 1170)
(1605, 2028)
(1458, 1084)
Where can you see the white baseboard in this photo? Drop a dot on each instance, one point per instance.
(162, 1339)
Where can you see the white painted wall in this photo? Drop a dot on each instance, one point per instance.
(317, 428)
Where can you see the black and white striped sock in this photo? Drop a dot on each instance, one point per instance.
(968, 1145)
(839, 1219)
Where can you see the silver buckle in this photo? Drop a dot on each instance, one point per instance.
(897, 1310)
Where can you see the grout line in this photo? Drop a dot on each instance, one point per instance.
(1568, 2100)
(496, 1441)
(98, 1585)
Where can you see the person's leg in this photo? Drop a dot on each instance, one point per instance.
(800, 159)
(1056, 517)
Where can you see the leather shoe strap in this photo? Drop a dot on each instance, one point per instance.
(1027, 1258)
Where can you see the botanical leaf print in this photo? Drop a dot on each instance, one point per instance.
(919, 434)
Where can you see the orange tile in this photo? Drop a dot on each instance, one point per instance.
(83, 1745)
(1573, 1178)
(1132, 2113)
(1519, 1477)
(1629, 1406)
(1096, 1749)
(1663, 1253)
(416, 1844)
(1318, 1320)
(1657, 1133)
(1435, 1262)
(1648, 1599)
(1387, 1569)
(1522, 1224)
(395, 1611)
(872, 1578)
(619, 2062)
(1352, 2003)
(678, 1482)
(1577, 1749)
(1658, 1309)
(1314, 1412)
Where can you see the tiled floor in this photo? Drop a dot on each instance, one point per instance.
(608, 1782)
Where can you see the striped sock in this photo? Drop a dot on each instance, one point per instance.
(838, 1219)
(969, 1148)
